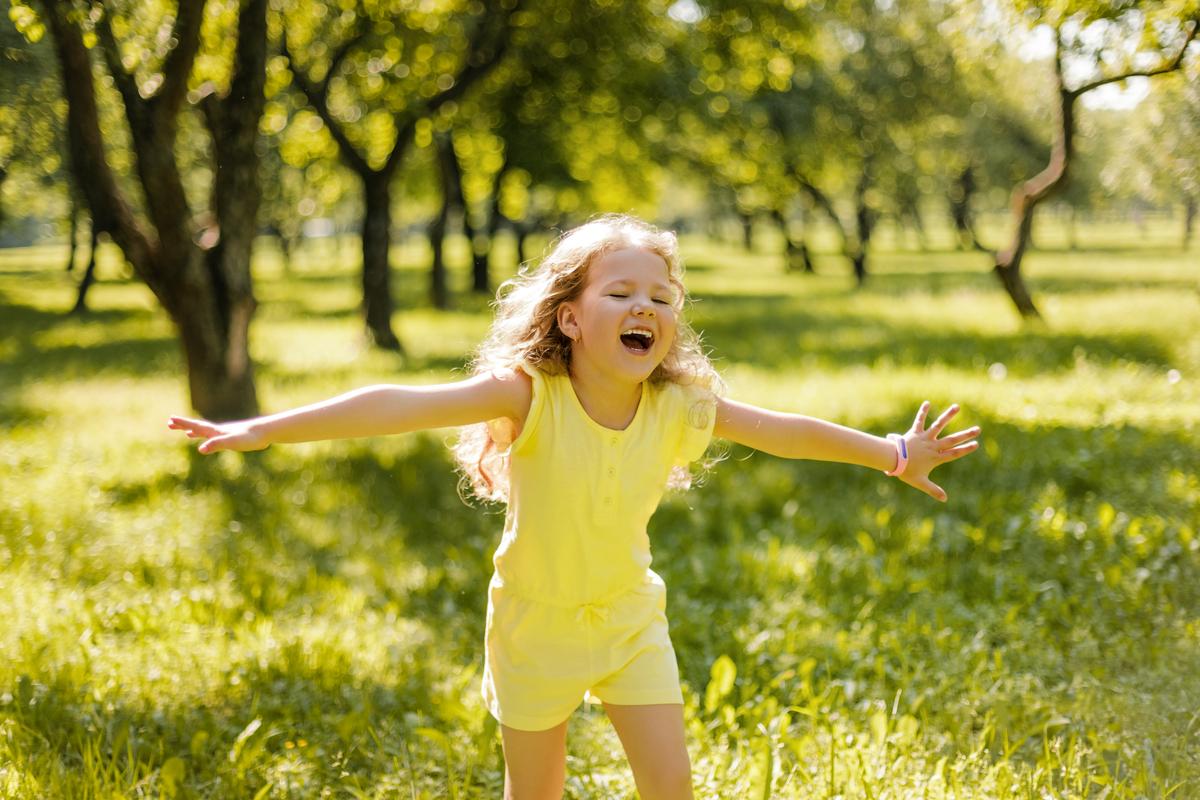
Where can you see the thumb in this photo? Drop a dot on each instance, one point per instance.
(932, 489)
(215, 443)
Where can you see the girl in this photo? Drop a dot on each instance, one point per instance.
(589, 397)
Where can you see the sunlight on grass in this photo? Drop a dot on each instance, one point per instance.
(308, 621)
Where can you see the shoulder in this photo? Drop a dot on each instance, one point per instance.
(694, 402)
(513, 390)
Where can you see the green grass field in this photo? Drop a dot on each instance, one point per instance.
(308, 621)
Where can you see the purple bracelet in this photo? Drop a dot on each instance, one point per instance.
(901, 454)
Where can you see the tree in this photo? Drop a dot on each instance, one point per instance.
(1099, 34)
(1163, 164)
(200, 276)
(32, 131)
(385, 68)
(568, 122)
(846, 90)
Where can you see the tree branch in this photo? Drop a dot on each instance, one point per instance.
(135, 105)
(1162, 69)
(318, 97)
(189, 16)
(482, 56)
(89, 163)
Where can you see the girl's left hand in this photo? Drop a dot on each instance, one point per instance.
(926, 451)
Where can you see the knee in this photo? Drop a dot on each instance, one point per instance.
(670, 780)
(548, 785)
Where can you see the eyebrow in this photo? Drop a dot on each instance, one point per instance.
(625, 281)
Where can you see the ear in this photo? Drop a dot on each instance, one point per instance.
(567, 321)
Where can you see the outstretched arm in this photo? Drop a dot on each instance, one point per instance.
(372, 411)
(798, 436)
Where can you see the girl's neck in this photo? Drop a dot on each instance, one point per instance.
(612, 404)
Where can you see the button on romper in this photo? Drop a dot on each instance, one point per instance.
(574, 610)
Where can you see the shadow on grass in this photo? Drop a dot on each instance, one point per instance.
(382, 511)
(991, 601)
(771, 562)
(785, 332)
(18, 415)
(131, 357)
(901, 282)
(315, 719)
(27, 363)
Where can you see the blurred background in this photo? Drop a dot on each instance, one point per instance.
(232, 207)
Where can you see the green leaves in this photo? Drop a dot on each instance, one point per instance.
(26, 21)
(720, 684)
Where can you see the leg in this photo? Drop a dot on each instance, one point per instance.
(653, 739)
(535, 763)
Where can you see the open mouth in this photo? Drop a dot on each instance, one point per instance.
(637, 340)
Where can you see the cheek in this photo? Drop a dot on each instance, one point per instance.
(668, 333)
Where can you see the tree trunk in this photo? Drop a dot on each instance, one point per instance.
(73, 244)
(206, 294)
(1008, 264)
(455, 202)
(1051, 179)
(1008, 268)
(521, 230)
(1028, 195)
(494, 220)
(912, 215)
(482, 53)
(960, 208)
(286, 248)
(853, 248)
(437, 236)
(89, 275)
(452, 179)
(221, 381)
(796, 255)
(376, 272)
(747, 231)
(1189, 221)
(237, 195)
(805, 255)
(864, 224)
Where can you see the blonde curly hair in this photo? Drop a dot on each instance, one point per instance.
(525, 330)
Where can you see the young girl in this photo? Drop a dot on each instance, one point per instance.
(588, 399)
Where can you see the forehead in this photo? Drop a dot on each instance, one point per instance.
(630, 264)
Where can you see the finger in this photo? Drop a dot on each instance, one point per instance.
(958, 452)
(213, 445)
(932, 489)
(183, 423)
(941, 421)
(957, 438)
(919, 422)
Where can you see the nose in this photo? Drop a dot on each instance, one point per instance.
(643, 309)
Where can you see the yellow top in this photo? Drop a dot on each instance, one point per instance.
(580, 494)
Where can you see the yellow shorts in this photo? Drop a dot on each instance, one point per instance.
(542, 659)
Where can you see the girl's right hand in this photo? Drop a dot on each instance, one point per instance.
(240, 435)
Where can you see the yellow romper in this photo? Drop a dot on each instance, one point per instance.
(574, 610)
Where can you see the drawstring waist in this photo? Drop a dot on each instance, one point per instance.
(595, 610)
(592, 612)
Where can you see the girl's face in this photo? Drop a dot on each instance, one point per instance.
(623, 323)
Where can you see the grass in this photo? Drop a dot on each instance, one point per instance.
(308, 621)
